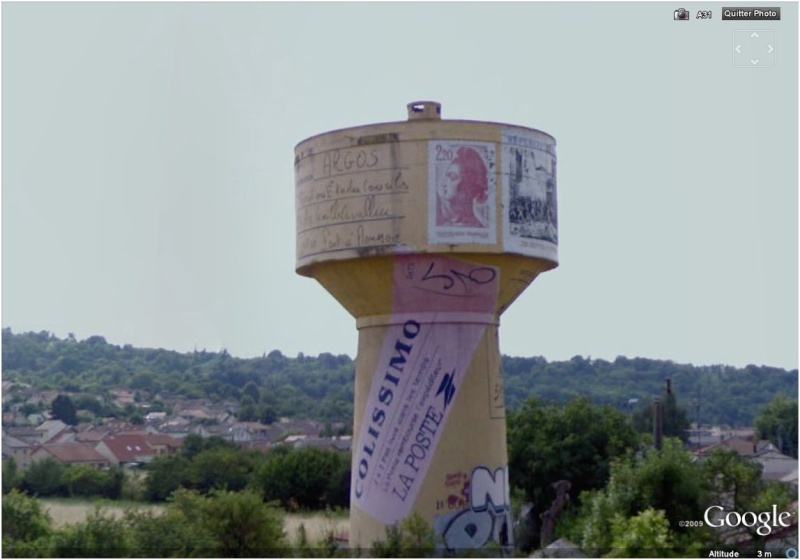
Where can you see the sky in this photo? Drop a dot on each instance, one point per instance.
(148, 180)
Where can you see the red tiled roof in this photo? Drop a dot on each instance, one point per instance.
(15, 442)
(63, 437)
(91, 436)
(50, 424)
(128, 448)
(195, 413)
(72, 452)
(163, 439)
(141, 433)
(740, 445)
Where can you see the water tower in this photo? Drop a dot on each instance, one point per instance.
(426, 230)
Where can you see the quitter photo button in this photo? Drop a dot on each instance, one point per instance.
(756, 13)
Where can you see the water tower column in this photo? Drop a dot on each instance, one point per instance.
(426, 230)
(429, 425)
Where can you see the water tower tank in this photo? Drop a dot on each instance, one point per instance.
(426, 230)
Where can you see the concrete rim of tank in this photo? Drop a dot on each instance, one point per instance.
(424, 122)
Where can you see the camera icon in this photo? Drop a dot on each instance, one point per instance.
(681, 15)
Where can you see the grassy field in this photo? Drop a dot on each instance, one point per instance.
(317, 524)
(66, 511)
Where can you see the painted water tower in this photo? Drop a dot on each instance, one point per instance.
(426, 230)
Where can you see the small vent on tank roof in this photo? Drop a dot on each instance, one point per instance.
(424, 110)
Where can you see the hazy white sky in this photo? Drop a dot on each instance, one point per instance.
(148, 181)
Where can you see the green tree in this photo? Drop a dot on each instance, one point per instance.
(63, 409)
(777, 422)
(308, 478)
(268, 415)
(194, 444)
(248, 412)
(101, 535)
(220, 468)
(26, 526)
(86, 481)
(675, 421)
(165, 474)
(646, 535)
(145, 381)
(775, 494)
(250, 389)
(574, 442)
(29, 408)
(239, 523)
(166, 535)
(666, 480)
(90, 403)
(83, 480)
(10, 475)
(45, 478)
(735, 480)
(273, 479)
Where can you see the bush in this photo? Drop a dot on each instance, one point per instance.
(412, 538)
(45, 478)
(328, 547)
(576, 441)
(169, 535)
(26, 525)
(665, 481)
(86, 481)
(220, 468)
(165, 474)
(238, 524)
(10, 475)
(100, 536)
(308, 478)
(643, 536)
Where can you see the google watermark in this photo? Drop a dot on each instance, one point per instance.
(766, 520)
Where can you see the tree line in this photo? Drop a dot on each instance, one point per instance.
(222, 524)
(297, 479)
(321, 387)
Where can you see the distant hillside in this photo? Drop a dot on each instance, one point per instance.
(724, 394)
(321, 387)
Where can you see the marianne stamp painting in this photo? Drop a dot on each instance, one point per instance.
(461, 192)
(530, 223)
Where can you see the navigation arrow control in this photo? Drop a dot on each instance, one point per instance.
(756, 49)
